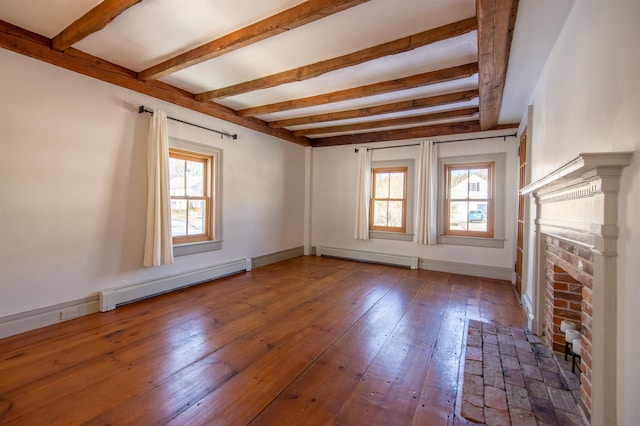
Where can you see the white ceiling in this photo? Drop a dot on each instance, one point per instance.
(155, 30)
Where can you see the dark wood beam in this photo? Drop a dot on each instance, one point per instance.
(395, 135)
(404, 44)
(496, 21)
(465, 113)
(431, 101)
(412, 133)
(294, 17)
(419, 80)
(35, 46)
(92, 21)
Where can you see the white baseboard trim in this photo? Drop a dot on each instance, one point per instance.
(267, 259)
(49, 315)
(111, 298)
(467, 269)
(536, 327)
(368, 256)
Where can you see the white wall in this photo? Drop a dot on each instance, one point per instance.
(73, 185)
(334, 202)
(588, 100)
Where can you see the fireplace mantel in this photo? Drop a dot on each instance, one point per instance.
(578, 203)
(583, 168)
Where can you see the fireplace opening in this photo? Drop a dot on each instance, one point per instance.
(569, 277)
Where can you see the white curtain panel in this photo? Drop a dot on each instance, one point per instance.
(363, 191)
(158, 248)
(427, 196)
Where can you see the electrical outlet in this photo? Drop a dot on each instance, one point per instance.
(69, 313)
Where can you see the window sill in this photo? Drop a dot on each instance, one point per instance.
(470, 241)
(200, 247)
(397, 236)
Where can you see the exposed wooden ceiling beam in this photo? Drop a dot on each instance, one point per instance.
(289, 19)
(425, 79)
(496, 21)
(36, 46)
(394, 135)
(92, 21)
(423, 118)
(404, 44)
(431, 101)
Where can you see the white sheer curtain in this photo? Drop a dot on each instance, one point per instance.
(158, 248)
(363, 192)
(427, 231)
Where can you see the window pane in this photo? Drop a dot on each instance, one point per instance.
(395, 214)
(459, 184)
(396, 185)
(197, 209)
(382, 185)
(477, 217)
(380, 213)
(458, 213)
(176, 176)
(178, 218)
(479, 179)
(195, 173)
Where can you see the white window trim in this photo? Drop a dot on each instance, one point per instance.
(216, 198)
(500, 159)
(408, 234)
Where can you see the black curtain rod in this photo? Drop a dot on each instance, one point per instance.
(142, 109)
(439, 142)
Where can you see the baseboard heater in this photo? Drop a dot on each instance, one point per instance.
(368, 256)
(111, 298)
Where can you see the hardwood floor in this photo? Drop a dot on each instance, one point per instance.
(306, 341)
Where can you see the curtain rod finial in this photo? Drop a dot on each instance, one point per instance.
(141, 109)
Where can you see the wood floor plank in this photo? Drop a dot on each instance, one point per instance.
(322, 388)
(389, 389)
(238, 356)
(186, 344)
(95, 342)
(310, 340)
(272, 374)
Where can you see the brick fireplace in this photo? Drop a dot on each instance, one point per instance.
(569, 295)
(574, 270)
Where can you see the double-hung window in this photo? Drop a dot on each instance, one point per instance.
(469, 199)
(195, 186)
(388, 206)
(190, 190)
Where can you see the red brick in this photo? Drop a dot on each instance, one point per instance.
(560, 286)
(575, 288)
(495, 417)
(495, 398)
(471, 412)
(473, 353)
(522, 417)
(575, 306)
(559, 303)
